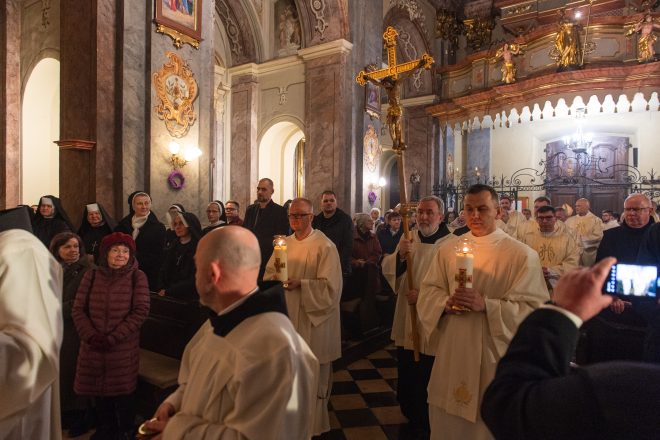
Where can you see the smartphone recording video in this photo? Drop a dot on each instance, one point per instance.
(632, 281)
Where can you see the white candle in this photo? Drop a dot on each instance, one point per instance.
(464, 267)
(279, 258)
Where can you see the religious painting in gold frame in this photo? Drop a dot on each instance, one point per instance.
(177, 91)
(372, 100)
(181, 20)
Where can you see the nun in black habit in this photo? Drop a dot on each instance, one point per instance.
(215, 212)
(96, 224)
(177, 276)
(174, 210)
(149, 235)
(50, 219)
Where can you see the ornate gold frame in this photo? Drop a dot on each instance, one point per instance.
(180, 33)
(177, 90)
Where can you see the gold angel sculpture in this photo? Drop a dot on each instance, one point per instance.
(646, 39)
(507, 52)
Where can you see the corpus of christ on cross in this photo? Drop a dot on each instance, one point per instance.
(390, 79)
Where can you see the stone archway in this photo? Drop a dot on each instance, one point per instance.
(277, 158)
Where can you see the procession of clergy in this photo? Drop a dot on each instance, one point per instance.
(261, 367)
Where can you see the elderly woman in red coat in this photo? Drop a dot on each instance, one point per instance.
(111, 304)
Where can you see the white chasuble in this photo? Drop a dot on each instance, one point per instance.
(589, 231)
(423, 257)
(508, 274)
(257, 382)
(558, 251)
(314, 307)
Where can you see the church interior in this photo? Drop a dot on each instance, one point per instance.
(198, 103)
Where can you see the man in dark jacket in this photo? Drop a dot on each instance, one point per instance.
(613, 334)
(535, 395)
(337, 226)
(389, 236)
(266, 219)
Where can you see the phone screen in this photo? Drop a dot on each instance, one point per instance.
(632, 280)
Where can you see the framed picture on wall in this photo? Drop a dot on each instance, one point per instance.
(181, 20)
(372, 100)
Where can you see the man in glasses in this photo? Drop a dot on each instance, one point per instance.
(611, 336)
(233, 215)
(558, 251)
(312, 292)
(588, 228)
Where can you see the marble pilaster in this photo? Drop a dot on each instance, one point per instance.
(244, 148)
(328, 113)
(88, 103)
(10, 97)
(422, 151)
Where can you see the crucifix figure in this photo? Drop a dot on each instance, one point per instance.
(390, 79)
(279, 265)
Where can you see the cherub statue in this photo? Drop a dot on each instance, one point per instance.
(647, 38)
(507, 52)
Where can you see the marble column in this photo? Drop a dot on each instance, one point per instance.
(90, 160)
(478, 155)
(244, 149)
(328, 120)
(218, 155)
(10, 98)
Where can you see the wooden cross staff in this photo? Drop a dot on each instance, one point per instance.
(390, 79)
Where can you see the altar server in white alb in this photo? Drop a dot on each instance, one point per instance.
(246, 374)
(507, 285)
(313, 291)
(588, 228)
(413, 377)
(30, 338)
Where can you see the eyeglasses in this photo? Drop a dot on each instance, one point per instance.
(636, 210)
(298, 216)
(230, 209)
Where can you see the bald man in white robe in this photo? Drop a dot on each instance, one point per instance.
(588, 228)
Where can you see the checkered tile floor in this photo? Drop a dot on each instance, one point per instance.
(363, 403)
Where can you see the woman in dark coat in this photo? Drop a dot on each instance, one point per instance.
(177, 276)
(68, 250)
(96, 224)
(50, 219)
(111, 304)
(148, 233)
(215, 212)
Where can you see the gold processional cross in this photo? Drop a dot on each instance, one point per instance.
(390, 79)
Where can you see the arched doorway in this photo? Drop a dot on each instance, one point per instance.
(280, 152)
(40, 127)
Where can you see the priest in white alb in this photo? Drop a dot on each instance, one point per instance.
(246, 373)
(413, 377)
(588, 228)
(313, 291)
(558, 250)
(475, 324)
(512, 218)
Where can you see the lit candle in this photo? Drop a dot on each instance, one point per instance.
(464, 266)
(279, 255)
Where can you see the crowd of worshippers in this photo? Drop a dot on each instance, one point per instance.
(449, 336)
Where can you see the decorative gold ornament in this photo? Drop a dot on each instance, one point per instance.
(178, 39)
(462, 395)
(647, 38)
(447, 27)
(177, 90)
(477, 32)
(507, 52)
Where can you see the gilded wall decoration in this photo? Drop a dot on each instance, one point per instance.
(372, 148)
(478, 31)
(180, 20)
(448, 28)
(176, 89)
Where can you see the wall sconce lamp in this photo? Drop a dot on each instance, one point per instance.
(375, 184)
(179, 159)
